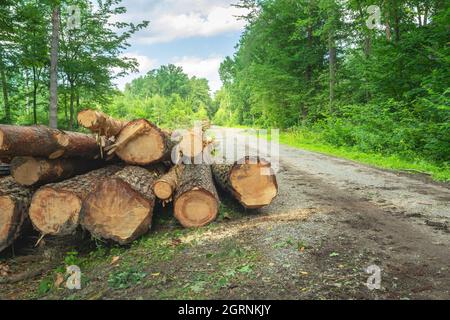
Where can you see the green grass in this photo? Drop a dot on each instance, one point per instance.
(309, 141)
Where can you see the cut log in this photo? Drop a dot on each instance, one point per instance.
(41, 141)
(99, 123)
(29, 171)
(165, 186)
(14, 203)
(250, 180)
(196, 202)
(121, 207)
(55, 208)
(76, 144)
(143, 143)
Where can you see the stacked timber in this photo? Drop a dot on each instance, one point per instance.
(59, 182)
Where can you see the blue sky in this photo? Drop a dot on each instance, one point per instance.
(194, 34)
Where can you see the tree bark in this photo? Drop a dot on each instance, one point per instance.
(196, 202)
(100, 123)
(29, 171)
(55, 208)
(251, 181)
(165, 186)
(142, 143)
(5, 95)
(41, 141)
(121, 207)
(14, 203)
(53, 121)
(332, 62)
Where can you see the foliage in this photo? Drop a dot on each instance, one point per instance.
(389, 94)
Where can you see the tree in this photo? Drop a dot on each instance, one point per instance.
(53, 121)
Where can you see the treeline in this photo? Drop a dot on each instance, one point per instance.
(82, 61)
(167, 96)
(319, 66)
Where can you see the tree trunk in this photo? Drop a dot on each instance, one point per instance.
(121, 207)
(196, 202)
(332, 62)
(40, 141)
(55, 208)
(29, 171)
(250, 180)
(165, 186)
(34, 98)
(53, 121)
(100, 123)
(14, 203)
(5, 96)
(71, 110)
(142, 143)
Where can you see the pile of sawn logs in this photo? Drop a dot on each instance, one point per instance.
(108, 182)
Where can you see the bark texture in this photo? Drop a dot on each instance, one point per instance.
(121, 207)
(29, 171)
(196, 202)
(14, 203)
(41, 141)
(55, 208)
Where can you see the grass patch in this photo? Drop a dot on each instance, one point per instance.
(310, 141)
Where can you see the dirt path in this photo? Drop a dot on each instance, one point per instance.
(356, 216)
(332, 220)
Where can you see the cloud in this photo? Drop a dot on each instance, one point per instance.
(145, 65)
(175, 19)
(202, 68)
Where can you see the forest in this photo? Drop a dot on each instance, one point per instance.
(370, 77)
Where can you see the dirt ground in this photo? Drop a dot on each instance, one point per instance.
(333, 219)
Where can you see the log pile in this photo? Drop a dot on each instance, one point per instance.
(61, 182)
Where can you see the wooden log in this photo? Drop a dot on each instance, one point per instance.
(55, 208)
(76, 144)
(196, 202)
(41, 141)
(165, 186)
(14, 203)
(143, 143)
(99, 123)
(121, 207)
(29, 171)
(250, 180)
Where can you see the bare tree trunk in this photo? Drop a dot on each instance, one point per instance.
(34, 96)
(71, 110)
(332, 61)
(53, 121)
(5, 96)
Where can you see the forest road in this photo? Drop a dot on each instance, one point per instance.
(334, 218)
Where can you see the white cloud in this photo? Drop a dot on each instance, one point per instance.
(145, 65)
(202, 68)
(175, 19)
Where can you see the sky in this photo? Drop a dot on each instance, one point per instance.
(194, 34)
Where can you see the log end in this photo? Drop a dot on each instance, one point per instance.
(7, 210)
(117, 212)
(163, 190)
(196, 208)
(25, 170)
(255, 184)
(55, 212)
(88, 118)
(143, 150)
(2, 135)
